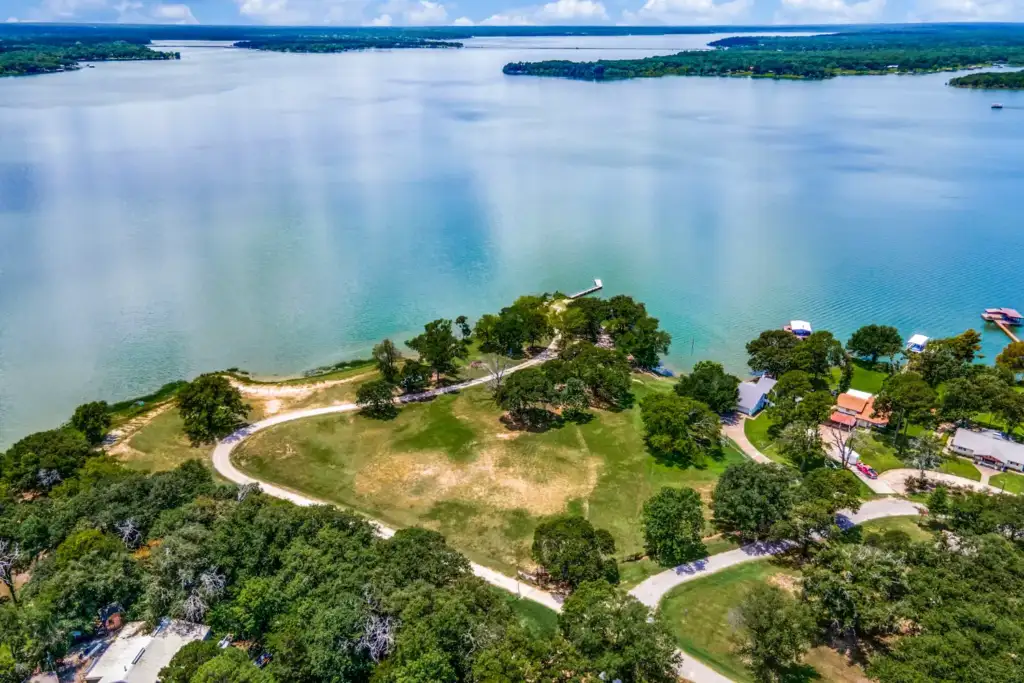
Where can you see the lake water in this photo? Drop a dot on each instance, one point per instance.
(277, 212)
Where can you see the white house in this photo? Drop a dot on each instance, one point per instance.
(753, 395)
(990, 448)
(917, 343)
(137, 657)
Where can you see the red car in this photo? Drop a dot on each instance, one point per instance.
(868, 472)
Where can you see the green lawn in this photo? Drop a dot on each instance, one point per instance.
(1008, 481)
(698, 614)
(907, 525)
(540, 620)
(960, 467)
(451, 465)
(875, 452)
(756, 431)
(160, 445)
(865, 378)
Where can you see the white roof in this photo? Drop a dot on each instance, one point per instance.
(865, 395)
(751, 393)
(989, 443)
(801, 325)
(918, 340)
(136, 657)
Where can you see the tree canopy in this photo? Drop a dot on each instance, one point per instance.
(211, 408)
(673, 522)
(872, 341)
(438, 347)
(572, 551)
(680, 429)
(750, 498)
(709, 384)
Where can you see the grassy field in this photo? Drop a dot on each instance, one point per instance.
(960, 467)
(159, 445)
(451, 465)
(541, 620)
(1008, 481)
(698, 613)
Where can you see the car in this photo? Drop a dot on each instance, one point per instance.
(264, 659)
(867, 471)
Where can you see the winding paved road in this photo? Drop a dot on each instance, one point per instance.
(649, 592)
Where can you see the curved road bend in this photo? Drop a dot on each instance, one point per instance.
(649, 592)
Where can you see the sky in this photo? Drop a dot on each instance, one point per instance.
(509, 12)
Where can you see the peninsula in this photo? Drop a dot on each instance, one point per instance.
(27, 58)
(858, 52)
(991, 80)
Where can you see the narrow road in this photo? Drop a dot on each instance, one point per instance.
(649, 592)
(653, 589)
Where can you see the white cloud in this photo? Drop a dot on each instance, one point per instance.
(382, 20)
(507, 19)
(967, 10)
(12, 20)
(307, 12)
(426, 12)
(177, 14)
(559, 12)
(682, 12)
(829, 11)
(463, 21)
(572, 11)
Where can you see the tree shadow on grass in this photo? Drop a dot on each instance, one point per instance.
(799, 673)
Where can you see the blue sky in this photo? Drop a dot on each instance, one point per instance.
(510, 12)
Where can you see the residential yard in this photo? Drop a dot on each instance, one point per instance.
(961, 467)
(865, 377)
(698, 613)
(451, 465)
(1010, 482)
(875, 452)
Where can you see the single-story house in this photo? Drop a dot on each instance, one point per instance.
(856, 409)
(917, 343)
(753, 395)
(990, 448)
(137, 657)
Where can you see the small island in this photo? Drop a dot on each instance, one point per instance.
(862, 52)
(991, 80)
(28, 58)
(340, 43)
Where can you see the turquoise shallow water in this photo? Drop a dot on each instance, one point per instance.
(277, 212)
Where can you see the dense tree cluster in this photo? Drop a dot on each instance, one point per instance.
(525, 322)
(211, 408)
(624, 320)
(777, 352)
(711, 385)
(680, 429)
(314, 587)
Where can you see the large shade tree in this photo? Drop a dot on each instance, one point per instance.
(709, 383)
(211, 408)
(872, 341)
(680, 429)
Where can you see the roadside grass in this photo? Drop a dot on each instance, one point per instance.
(1008, 481)
(865, 377)
(160, 445)
(541, 621)
(875, 452)
(632, 574)
(909, 525)
(449, 464)
(698, 614)
(960, 467)
(341, 371)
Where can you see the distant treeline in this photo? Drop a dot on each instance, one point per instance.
(19, 58)
(341, 43)
(809, 57)
(991, 80)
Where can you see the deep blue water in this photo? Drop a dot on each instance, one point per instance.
(278, 212)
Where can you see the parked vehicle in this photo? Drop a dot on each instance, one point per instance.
(867, 471)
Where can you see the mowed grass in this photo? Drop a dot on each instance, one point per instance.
(908, 525)
(160, 445)
(865, 377)
(960, 467)
(699, 615)
(451, 465)
(1008, 481)
(875, 452)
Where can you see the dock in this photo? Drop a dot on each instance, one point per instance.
(598, 285)
(1005, 328)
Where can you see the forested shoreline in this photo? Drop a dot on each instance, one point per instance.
(991, 80)
(28, 58)
(806, 57)
(330, 44)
